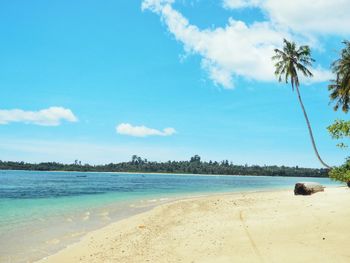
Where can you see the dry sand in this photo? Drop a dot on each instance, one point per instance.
(252, 227)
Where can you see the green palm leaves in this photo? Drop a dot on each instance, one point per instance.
(340, 87)
(290, 60)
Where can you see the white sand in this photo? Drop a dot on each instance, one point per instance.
(253, 227)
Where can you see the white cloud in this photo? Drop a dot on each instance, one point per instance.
(236, 50)
(52, 116)
(232, 4)
(155, 5)
(319, 75)
(227, 52)
(312, 16)
(142, 131)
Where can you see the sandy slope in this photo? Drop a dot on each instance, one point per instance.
(253, 227)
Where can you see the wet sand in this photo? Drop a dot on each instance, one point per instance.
(246, 227)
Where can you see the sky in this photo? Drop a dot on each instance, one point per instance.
(99, 81)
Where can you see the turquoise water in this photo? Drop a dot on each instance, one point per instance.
(41, 212)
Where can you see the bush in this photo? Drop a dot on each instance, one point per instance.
(341, 173)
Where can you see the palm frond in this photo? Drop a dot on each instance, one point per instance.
(291, 60)
(340, 87)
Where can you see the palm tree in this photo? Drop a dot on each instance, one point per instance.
(340, 87)
(289, 62)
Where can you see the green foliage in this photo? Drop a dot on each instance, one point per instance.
(341, 173)
(195, 159)
(340, 94)
(340, 129)
(340, 86)
(290, 60)
(193, 166)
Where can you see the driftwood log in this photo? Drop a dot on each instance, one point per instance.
(307, 188)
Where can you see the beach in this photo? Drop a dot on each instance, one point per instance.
(271, 226)
(31, 202)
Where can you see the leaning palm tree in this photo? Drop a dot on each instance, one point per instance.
(340, 87)
(289, 62)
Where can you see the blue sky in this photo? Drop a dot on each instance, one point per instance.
(99, 81)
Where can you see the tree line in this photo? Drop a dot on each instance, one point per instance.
(193, 166)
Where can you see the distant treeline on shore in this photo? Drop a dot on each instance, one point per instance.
(193, 166)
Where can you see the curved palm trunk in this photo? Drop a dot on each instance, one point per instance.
(310, 130)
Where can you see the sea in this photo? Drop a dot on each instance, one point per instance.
(44, 212)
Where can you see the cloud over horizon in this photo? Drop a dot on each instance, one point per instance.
(142, 131)
(52, 116)
(242, 50)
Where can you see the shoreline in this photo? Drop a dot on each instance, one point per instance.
(120, 241)
(70, 238)
(158, 202)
